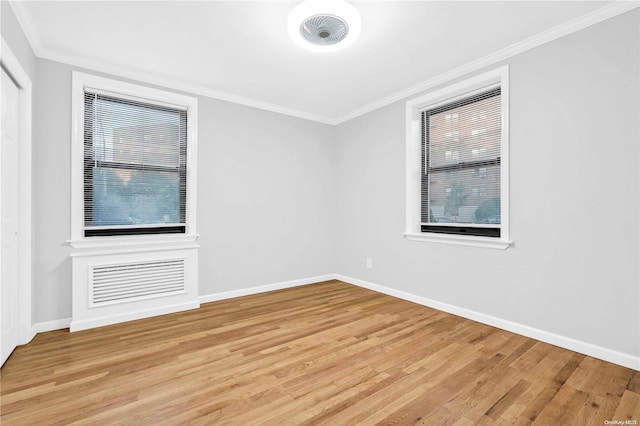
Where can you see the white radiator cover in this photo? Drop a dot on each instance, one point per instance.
(116, 285)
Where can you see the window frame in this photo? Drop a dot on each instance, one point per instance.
(134, 92)
(414, 108)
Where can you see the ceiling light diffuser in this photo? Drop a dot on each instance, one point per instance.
(324, 25)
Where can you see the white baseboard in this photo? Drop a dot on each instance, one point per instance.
(43, 327)
(213, 297)
(59, 324)
(620, 358)
(131, 316)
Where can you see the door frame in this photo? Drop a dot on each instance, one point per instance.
(14, 69)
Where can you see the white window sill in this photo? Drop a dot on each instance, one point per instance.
(128, 244)
(460, 240)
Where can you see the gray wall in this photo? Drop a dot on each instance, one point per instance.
(264, 184)
(573, 269)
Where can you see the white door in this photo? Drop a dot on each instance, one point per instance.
(8, 217)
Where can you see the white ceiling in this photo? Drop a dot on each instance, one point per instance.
(240, 50)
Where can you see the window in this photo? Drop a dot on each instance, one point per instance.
(134, 167)
(457, 171)
(135, 147)
(461, 206)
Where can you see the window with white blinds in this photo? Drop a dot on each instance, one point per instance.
(135, 166)
(457, 163)
(461, 166)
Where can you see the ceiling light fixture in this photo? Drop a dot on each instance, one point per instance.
(324, 25)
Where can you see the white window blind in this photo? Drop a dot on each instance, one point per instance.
(461, 145)
(134, 167)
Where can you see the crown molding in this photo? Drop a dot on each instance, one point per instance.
(40, 50)
(148, 78)
(602, 14)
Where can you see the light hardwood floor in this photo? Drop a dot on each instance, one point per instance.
(323, 354)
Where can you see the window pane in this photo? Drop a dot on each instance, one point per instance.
(135, 134)
(469, 195)
(135, 164)
(461, 164)
(465, 133)
(135, 197)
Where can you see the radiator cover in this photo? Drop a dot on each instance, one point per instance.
(116, 285)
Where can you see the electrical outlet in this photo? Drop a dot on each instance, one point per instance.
(369, 263)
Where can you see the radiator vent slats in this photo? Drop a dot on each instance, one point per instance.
(126, 282)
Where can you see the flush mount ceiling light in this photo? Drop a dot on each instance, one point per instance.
(324, 25)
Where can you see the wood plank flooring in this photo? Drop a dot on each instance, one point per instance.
(323, 354)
